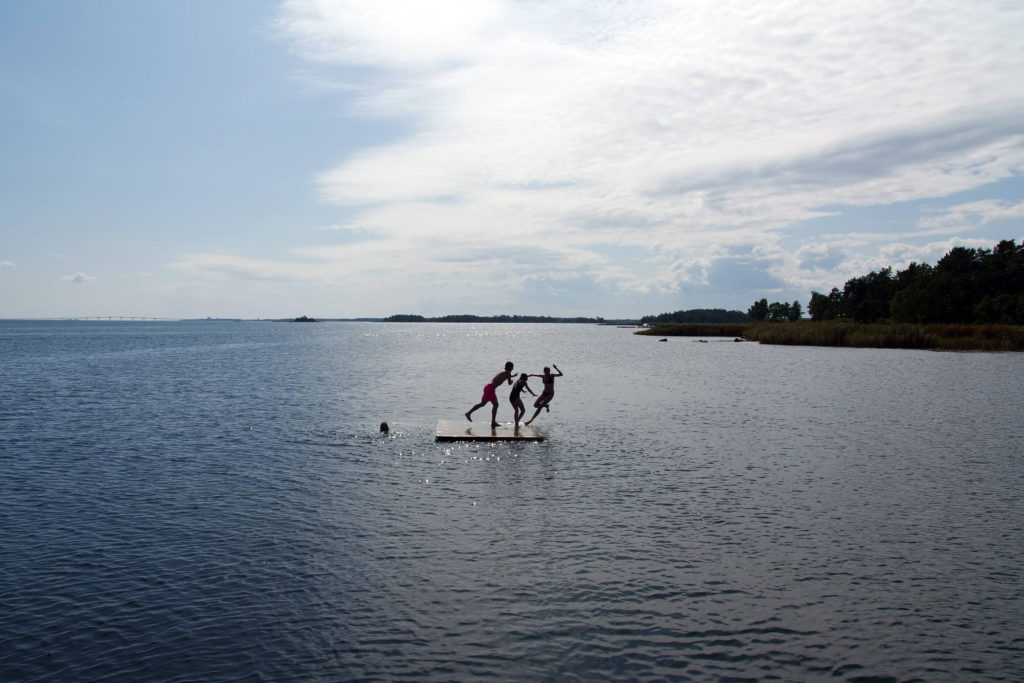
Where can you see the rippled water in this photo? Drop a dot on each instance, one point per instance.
(212, 501)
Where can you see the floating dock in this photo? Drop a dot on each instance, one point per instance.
(456, 430)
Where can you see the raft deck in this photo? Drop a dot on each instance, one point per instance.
(456, 430)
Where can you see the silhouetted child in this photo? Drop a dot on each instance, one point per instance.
(489, 396)
(547, 393)
(517, 403)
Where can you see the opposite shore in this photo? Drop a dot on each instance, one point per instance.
(941, 337)
(882, 335)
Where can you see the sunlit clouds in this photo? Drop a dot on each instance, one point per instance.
(616, 157)
(692, 131)
(78, 279)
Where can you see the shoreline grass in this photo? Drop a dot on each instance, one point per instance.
(940, 337)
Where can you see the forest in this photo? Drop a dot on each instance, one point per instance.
(967, 285)
(412, 318)
(697, 315)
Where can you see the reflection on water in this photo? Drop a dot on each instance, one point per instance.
(215, 501)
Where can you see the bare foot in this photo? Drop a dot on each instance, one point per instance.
(468, 417)
(495, 425)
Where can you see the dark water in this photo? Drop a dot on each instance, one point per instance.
(212, 501)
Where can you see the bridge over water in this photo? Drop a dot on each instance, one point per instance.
(126, 318)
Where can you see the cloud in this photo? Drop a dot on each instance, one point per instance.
(820, 255)
(900, 255)
(6, 264)
(393, 34)
(972, 214)
(78, 278)
(692, 131)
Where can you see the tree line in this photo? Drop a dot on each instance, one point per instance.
(697, 315)
(411, 318)
(966, 286)
(775, 311)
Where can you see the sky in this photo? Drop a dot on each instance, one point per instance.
(614, 158)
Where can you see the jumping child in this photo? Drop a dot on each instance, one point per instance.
(517, 403)
(547, 393)
(489, 396)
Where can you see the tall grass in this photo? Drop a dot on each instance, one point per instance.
(873, 335)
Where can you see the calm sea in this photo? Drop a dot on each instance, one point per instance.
(213, 501)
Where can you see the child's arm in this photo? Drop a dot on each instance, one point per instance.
(560, 373)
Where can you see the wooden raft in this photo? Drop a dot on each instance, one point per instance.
(463, 430)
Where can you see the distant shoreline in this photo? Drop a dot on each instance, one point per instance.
(390, 319)
(939, 337)
(465, 318)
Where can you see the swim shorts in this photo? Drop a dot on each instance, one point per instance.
(489, 394)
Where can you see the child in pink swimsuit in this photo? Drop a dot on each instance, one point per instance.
(547, 393)
(490, 396)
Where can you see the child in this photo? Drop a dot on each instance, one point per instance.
(489, 396)
(547, 393)
(517, 403)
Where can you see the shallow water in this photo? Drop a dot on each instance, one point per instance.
(213, 501)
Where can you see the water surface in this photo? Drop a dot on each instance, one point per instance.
(213, 501)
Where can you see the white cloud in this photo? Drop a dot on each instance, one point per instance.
(689, 130)
(6, 264)
(78, 278)
(395, 34)
(971, 214)
(820, 255)
(900, 255)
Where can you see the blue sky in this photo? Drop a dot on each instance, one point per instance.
(184, 158)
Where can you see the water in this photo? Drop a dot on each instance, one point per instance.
(213, 501)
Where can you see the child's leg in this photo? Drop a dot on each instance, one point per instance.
(471, 410)
(494, 415)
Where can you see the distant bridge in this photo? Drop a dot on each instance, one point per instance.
(127, 318)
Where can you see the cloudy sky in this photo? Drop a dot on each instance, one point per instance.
(241, 158)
